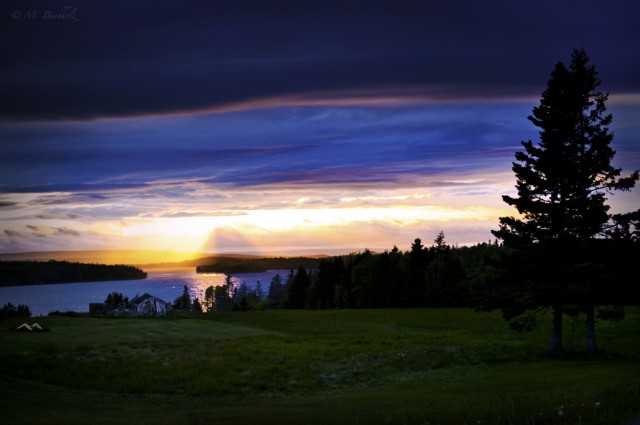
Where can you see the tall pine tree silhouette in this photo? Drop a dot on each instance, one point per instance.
(562, 183)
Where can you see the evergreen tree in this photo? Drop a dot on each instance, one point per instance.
(241, 292)
(323, 290)
(196, 306)
(439, 244)
(259, 291)
(208, 299)
(297, 292)
(562, 183)
(444, 276)
(362, 279)
(222, 300)
(223, 295)
(183, 302)
(414, 291)
(23, 311)
(344, 297)
(115, 301)
(10, 310)
(389, 278)
(277, 292)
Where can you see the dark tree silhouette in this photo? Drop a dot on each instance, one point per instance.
(10, 310)
(208, 299)
(390, 277)
(323, 290)
(417, 259)
(183, 302)
(115, 301)
(196, 306)
(277, 292)
(562, 183)
(223, 295)
(297, 296)
(444, 276)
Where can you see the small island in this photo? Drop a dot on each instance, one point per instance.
(13, 273)
(257, 265)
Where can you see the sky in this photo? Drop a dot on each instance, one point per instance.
(285, 127)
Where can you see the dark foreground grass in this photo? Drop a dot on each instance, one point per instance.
(448, 366)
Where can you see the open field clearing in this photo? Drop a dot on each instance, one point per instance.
(341, 366)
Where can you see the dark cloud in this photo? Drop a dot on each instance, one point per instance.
(45, 231)
(186, 214)
(192, 156)
(39, 231)
(307, 175)
(69, 199)
(58, 216)
(12, 233)
(12, 241)
(170, 158)
(121, 58)
(67, 231)
(45, 216)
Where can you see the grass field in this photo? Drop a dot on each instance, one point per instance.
(436, 366)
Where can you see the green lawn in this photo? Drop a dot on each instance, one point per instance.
(313, 367)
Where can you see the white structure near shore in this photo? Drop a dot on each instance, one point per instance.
(148, 305)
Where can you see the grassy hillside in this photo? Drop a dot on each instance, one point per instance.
(340, 367)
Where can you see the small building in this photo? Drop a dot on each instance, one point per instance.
(149, 305)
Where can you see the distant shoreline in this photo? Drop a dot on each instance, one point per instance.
(151, 259)
(22, 273)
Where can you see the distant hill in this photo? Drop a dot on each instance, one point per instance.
(140, 258)
(255, 265)
(136, 257)
(46, 272)
(202, 260)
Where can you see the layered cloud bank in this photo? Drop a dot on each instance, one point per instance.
(241, 127)
(268, 179)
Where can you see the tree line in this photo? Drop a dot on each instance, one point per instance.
(485, 276)
(435, 276)
(10, 310)
(38, 272)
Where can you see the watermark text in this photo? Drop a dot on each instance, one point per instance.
(67, 13)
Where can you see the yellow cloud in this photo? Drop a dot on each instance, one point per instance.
(347, 226)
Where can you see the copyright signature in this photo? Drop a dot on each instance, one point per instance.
(67, 13)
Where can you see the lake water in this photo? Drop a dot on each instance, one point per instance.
(166, 284)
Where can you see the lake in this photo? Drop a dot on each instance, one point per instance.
(166, 284)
